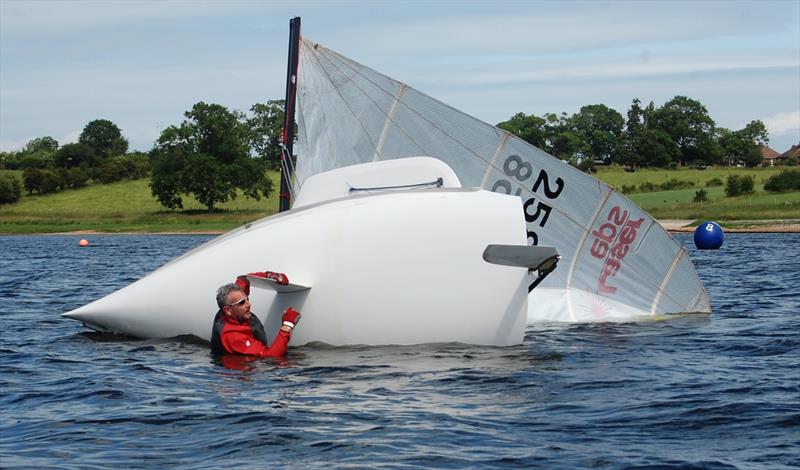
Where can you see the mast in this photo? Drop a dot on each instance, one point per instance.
(287, 164)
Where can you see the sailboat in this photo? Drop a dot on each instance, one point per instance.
(407, 221)
(617, 263)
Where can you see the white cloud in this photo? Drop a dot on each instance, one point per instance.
(783, 123)
(541, 28)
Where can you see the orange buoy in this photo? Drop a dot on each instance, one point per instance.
(83, 242)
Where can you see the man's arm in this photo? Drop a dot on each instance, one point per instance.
(239, 343)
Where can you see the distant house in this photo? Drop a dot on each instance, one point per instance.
(768, 155)
(793, 152)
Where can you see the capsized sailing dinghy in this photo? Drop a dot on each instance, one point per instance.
(618, 263)
(427, 262)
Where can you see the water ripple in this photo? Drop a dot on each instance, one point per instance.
(713, 391)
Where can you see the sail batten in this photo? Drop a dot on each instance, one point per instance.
(620, 261)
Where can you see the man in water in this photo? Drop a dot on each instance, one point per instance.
(237, 331)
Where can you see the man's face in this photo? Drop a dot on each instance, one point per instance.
(238, 306)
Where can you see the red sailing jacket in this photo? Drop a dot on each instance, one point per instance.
(231, 337)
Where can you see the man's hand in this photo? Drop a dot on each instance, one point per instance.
(279, 278)
(290, 317)
(244, 283)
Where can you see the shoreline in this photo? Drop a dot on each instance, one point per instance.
(743, 226)
(670, 225)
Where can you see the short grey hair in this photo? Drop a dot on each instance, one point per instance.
(224, 291)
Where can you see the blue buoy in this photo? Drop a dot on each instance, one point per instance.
(708, 236)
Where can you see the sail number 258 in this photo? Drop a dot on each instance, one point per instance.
(519, 171)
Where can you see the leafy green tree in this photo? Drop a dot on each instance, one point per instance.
(207, 156)
(75, 155)
(567, 145)
(635, 127)
(41, 144)
(688, 123)
(600, 128)
(753, 157)
(530, 128)
(744, 145)
(104, 137)
(655, 147)
(264, 131)
(10, 189)
(756, 132)
(636, 121)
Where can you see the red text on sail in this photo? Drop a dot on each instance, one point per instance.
(612, 240)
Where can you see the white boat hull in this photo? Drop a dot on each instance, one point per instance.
(391, 268)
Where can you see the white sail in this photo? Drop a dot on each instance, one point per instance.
(617, 262)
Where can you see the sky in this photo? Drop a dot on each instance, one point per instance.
(142, 64)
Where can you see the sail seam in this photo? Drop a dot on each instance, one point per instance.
(582, 241)
(338, 92)
(500, 145)
(389, 120)
(432, 124)
(363, 92)
(667, 278)
(316, 56)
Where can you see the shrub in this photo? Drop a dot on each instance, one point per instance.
(41, 181)
(6, 158)
(714, 182)
(748, 184)
(676, 184)
(628, 189)
(787, 180)
(10, 189)
(647, 187)
(73, 178)
(700, 196)
(738, 185)
(72, 155)
(34, 161)
(135, 165)
(109, 171)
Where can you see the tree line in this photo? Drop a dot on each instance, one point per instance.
(217, 153)
(100, 155)
(210, 156)
(678, 133)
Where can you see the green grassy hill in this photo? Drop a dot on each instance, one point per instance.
(127, 206)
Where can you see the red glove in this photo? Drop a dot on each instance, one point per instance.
(244, 283)
(279, 278)
(290, 317)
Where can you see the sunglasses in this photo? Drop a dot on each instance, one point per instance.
(240, 302)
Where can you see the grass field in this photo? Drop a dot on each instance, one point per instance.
(128, 206)
(617, 177)
(678, 204)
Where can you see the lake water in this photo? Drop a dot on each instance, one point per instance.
(693, 391)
